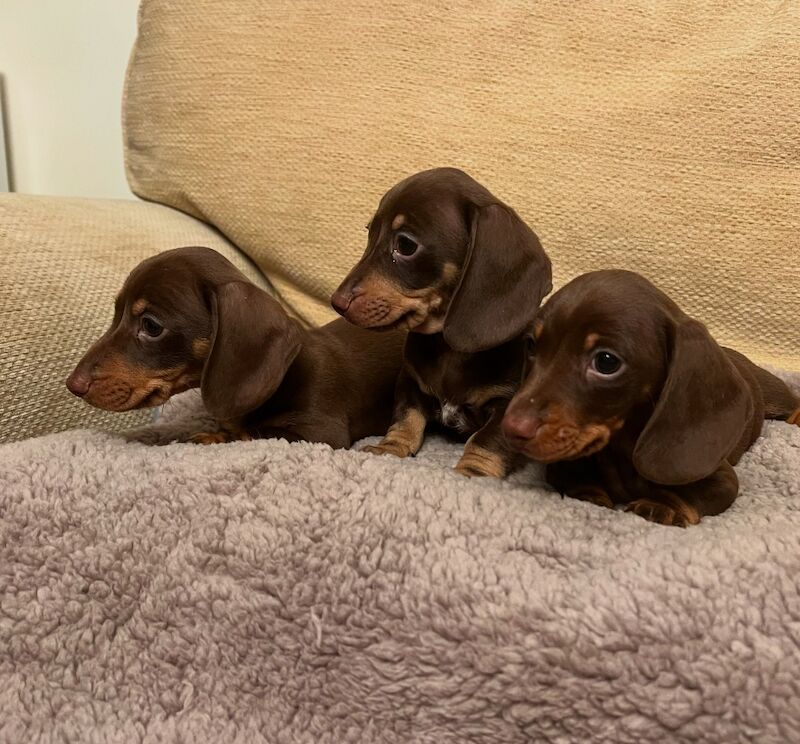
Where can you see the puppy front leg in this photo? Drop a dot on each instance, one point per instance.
(225, 434)
(486, 451)
(579, 479)
(411, 413)
(684, 505)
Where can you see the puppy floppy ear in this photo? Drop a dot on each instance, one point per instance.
(252, 346)
(702, 412)
(505, 276)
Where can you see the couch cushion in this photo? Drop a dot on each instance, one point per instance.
(660, 137)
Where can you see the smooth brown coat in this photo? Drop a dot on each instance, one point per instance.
(260, 373)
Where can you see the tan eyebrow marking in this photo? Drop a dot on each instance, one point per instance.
(138, 307)
(398, 221)
(591, 341)
(200, 347)
(538, 327)
(449, 272)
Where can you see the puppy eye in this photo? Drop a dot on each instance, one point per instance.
(530, 345)
(605, 363)
(151, 328)
(406, 246)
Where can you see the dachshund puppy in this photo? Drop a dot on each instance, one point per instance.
(464, 274)
(630, 401)
(188, 318)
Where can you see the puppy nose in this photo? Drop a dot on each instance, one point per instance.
(520, 426)
(78, 383)
(340, 301)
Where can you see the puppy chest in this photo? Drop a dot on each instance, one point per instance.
(463, 388)
(455, 416)
(448, 404)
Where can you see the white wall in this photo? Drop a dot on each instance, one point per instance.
(63, 65)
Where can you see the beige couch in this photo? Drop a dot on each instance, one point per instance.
(660, 137)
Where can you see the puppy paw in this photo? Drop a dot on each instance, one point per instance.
(470, 471)
(218, 437)
(398, 449)
(593, 495)
(661, 513)
(209, 437)
(479, 462)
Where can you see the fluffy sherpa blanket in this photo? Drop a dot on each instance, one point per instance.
(272, 592)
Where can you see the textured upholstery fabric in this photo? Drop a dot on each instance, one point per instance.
(62, 261)
(661, 137)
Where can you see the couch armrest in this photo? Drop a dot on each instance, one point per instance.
(62, 262)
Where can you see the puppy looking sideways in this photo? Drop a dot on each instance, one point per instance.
(189, 318)
(465, 275)
(631, 401)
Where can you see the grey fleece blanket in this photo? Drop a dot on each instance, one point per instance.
(268, 592)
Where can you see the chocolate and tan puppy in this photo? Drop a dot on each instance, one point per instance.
(464, 274)
(189, 318)
(631, 401)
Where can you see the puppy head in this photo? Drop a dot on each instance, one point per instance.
(188, 318)
(611, 350)
(444, 255)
